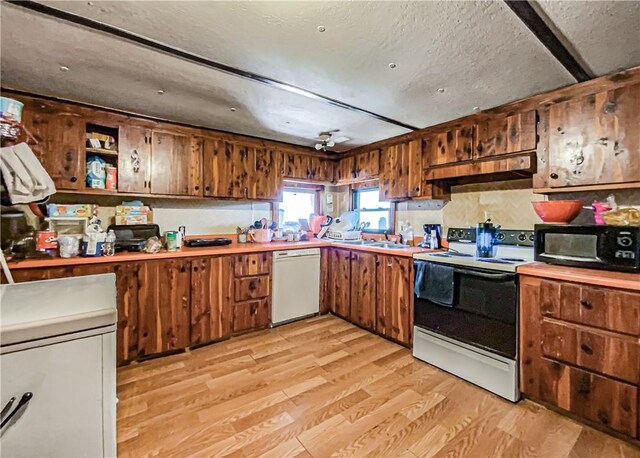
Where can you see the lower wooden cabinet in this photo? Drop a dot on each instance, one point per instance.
(363, 289)
(250, 315)
(339, 289)
(211, 299)
(164, 291)
(394, 298)
(580, 352)
(371, 290)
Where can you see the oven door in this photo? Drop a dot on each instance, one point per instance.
(484, 312)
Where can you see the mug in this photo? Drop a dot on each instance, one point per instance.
(261, 235)
(242, 238)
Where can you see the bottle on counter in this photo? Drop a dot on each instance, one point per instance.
(47, 239)
(109, 247)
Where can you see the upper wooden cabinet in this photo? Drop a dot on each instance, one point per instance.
(401, 171)
(506, 134)
(361, 167)
(304, 167)
(346, 170)
(175, 165)
(134, 159)
(453, 145)
(595, 139)
(60, 144)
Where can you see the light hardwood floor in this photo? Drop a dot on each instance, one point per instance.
(323, 387)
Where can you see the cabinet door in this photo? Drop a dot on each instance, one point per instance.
(448, 147)
(595, 139)
(394, 278)
(163, 301)
(251, 315)
(367, 165)
(363, 289)
(502, 134)
(60, 146)
(266, 179)
(134, 159)
(340, 282)
(242, 168)
(211, 299)
(346, 170)
(401, 171)
(218, 157)
(325, 293)
(175, 165)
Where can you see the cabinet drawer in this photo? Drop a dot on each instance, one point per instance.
(250, 315)
(602, 353)
(247, 288)
(605, 308)
(252, 264)
(596, 398)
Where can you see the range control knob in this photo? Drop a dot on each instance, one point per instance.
(531, 238)
(500, 236)
(522, 237)
(625, 241)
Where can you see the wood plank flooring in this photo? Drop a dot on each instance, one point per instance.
(323, 387)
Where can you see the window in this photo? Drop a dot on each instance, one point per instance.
(378, 214)
(296, 204)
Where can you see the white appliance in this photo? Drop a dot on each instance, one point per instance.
(466, 313)
(58, 356)
(296, 284)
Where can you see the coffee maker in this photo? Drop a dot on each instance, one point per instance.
(432, 236)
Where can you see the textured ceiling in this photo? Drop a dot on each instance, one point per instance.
(479, 52)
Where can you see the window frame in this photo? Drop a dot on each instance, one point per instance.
(355, 189)
(298, 187)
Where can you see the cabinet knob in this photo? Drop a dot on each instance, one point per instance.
(554, 176)
(586, 304)
(207, 188)
(73, 179)
(586, 348)
(197, 188)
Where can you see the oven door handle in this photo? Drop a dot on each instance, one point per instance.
(488, 276)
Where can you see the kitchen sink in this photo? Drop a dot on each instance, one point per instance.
(356, 242)
(389, 245)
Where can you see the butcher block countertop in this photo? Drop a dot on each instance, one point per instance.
(608, 278)
(186, 252)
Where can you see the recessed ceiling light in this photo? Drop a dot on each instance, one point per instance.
(160, 91)
(440, 90)
(392, 65)
(64, 68)
(233, 108)
(321, 28)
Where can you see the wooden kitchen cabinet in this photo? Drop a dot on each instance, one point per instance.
(339, 293)
(266, 182)
(176, 165)
(251, 282)
(211, 299)
(60, 144)
(505, 134)
(325, 288)
(595, 139)
(304, 167)
(394, 298)
(346, 170)
(363, 289)
(134, 159)
(367, 165)
(580, 351)
(401, 171)
(217, 164)
(164, 293)
(251, 315)
(450, 146)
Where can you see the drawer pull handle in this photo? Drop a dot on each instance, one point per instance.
(586, 348)
(586, 304)
(585, 385)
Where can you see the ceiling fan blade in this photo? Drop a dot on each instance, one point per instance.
(341, 139)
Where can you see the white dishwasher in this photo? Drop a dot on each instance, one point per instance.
(296, 284)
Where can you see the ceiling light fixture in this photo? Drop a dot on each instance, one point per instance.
(440, 90)
(321, 28)
(392, 65)
(64, 68)
(160, 91)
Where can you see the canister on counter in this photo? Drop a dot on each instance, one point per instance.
(171, 240)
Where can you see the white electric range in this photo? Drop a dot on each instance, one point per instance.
(466, 309)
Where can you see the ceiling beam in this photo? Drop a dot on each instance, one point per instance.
(537, 25)
(194, 58)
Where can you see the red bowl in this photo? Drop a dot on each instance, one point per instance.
(557, 211)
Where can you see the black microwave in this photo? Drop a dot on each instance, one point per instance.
(596, 247)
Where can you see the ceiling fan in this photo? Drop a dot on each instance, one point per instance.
(326, 141)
